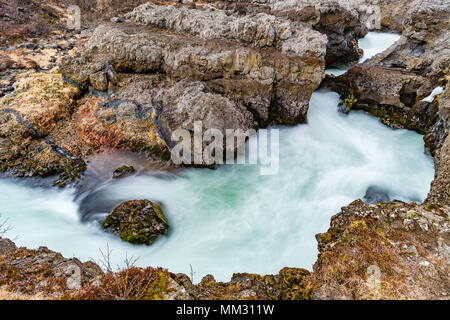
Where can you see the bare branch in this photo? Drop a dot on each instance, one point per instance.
(4, 227)
(105, 260)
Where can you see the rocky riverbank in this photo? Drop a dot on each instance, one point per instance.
(129, 82)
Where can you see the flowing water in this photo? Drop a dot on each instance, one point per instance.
(372, 44)
(233, 219)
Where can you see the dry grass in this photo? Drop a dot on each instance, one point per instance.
(128, 284)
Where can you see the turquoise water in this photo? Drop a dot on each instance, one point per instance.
(233, 219)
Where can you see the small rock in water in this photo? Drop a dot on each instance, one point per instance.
(123, 171)
(137, 221)
(376, 195)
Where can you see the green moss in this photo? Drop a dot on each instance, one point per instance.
(158, 152)
(326, 237)
(350, 100)
(159, 212)
(157, 289)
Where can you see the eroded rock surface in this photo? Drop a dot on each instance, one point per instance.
(387, 251)
(192, 58)
(44, 274)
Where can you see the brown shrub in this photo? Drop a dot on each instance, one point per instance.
(128, 284)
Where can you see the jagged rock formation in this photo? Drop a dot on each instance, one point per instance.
(411, 239)
(340, 22)
(291, 76)
(243, 73)
(44, 274)
(259, 67)
(393, 84)
(440, 187)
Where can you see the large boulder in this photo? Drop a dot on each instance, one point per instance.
(180, 106)
(137, 221)
(267, 54)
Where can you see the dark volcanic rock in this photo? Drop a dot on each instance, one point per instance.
(343, 29)
(137, 221)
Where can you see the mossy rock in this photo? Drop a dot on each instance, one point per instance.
(137, 221)
(123, 172)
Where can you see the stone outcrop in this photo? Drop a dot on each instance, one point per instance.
(44, 274)
(440, 187)
(343, 29)
(396, 250)
(341, 23)
(259, 67)
(123, 171)
(392, 94)
(289, 284)
(257, 30)
(385, 15)
(137, 221)
(42, 271)
(291, 79)
(6, 246)
(387, 251)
